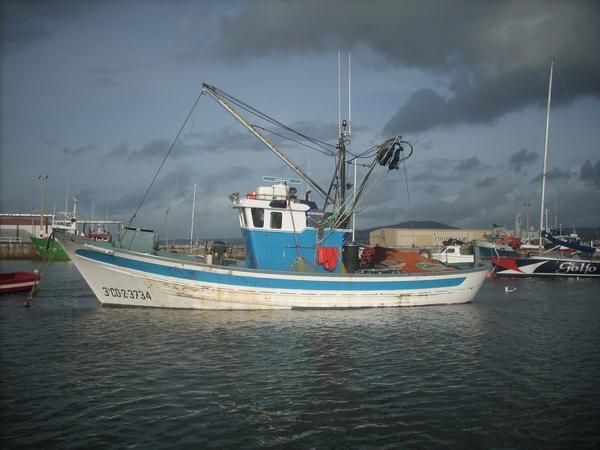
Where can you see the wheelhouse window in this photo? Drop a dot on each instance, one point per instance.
(276, 220)
(258, 217)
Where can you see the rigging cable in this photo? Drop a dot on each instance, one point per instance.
(163, 161)
(412, 223)
(324, 152)
(266, 117)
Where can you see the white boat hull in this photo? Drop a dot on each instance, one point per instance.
(119, 277)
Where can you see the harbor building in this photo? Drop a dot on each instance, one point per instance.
(422, 237)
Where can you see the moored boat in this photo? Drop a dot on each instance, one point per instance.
(299, 255)
(545, 264)
(49, 249)
(18, 281)
(452, 254)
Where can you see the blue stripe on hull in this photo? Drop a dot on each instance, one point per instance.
(269, 283)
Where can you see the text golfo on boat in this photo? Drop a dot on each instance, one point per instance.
(299, 254)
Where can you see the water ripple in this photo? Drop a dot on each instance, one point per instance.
(507, 371)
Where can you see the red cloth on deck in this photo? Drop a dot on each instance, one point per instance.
(328, 257)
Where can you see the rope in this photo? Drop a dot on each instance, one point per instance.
(267, 118)
(163, 161)
(324, 152)
(412, 224)
(43, 270)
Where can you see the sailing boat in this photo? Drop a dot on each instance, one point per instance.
(299, 255)
(544, 265)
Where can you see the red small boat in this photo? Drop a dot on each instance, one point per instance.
(18, 281)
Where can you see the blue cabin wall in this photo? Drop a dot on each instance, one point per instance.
(276, 250)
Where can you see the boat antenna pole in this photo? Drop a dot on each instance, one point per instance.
(545, 155)
(214, 93)
(344, 136)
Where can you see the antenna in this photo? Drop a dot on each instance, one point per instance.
(349, 122)
(349, 96)
(67, 199)
(339, 95)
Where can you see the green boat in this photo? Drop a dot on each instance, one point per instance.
(50, 249)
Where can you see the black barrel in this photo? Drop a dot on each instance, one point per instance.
(350, 258)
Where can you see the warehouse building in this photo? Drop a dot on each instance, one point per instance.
(421, 237)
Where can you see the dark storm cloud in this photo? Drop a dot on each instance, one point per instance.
(481, 205)
(28, 22)
(101, 76)
(120, 150)
(521, 158)
(230, 139)
(554, 174)
(486, 182)
(447, 170)
(495, 53)
(227, 139)
(211, 183)
(16, 39)
(590, 173)
(168, 187)
(90, 148)
(156, 149)
(468, 165)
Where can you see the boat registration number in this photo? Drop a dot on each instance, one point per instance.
(134, 294)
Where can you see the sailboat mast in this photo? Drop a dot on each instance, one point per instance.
(542, 227)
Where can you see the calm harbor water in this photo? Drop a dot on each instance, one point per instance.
(511, 370)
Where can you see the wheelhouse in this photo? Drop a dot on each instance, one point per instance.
(279, 229)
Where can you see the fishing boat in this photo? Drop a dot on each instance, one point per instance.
(99, 234)
(18, 281)
(489, 249)
(298, 254)
(49, 248)
(551, 262)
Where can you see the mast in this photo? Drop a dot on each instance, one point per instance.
(342, 179)
(67, 200)
(193, 211)
(344, 137)
(214, 93)
(545, 154)
(42, 179)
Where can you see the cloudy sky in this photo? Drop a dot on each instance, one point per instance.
(93, 94)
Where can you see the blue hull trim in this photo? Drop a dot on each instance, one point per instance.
(269, 283)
